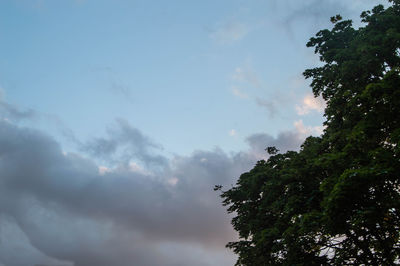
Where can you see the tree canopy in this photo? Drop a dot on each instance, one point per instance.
(337, 200)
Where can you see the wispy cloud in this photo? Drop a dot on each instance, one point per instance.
(269, 105)
(115, 84)
(123, 144)
(289, 15)
(238, 93)
(9, 111)
(230, 32)
(121, 89)
(246, 75)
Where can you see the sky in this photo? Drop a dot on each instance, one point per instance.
(117, 118)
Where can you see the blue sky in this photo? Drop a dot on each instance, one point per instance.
(147, 94)
(168, 68)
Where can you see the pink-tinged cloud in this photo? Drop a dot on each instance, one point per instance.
(309, 104)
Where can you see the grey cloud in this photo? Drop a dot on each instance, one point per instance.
(288, 14)
(122, 90)
(314, 10)
(71, 214)
(285, 141)
(269, 105)
(289, 140)
(10, 112)
(12, 238)
(124, 143)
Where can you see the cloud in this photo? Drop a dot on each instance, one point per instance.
(125, 143)
(116, 84)
(246, 75)
(70, 212)
(308, 130)
(290, 15)
(67, 209)
(284, 141)
(230, 32)
(311, 103)
(269, 105)
(13, 239)
(238, 93)
(122, 89)
(11, 112)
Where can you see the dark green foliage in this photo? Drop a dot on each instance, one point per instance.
(337, 200)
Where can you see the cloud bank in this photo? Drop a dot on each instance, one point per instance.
(142, 209)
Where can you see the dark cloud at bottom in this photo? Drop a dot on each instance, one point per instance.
(61, 209)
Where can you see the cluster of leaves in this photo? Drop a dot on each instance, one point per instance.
(337, 200)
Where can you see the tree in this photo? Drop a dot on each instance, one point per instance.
(337, 200)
